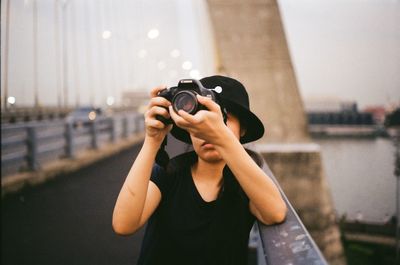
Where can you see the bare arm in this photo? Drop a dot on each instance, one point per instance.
(139, 197)
(266, 202)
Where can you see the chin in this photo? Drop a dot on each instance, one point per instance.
(211, 156)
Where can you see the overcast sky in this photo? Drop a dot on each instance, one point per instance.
(346, 49)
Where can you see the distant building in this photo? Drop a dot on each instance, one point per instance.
(330, 105)
(378, 113)
(339, 118)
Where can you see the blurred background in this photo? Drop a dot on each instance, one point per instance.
(76, 61)
(74, 53)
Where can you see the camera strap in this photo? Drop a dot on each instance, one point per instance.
(162, 157)
(224, 114)
(223, 109)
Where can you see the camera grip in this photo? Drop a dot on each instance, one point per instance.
(164, 120)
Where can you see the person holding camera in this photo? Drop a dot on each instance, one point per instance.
(200, 207)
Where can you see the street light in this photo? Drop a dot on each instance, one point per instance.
(57, 56)
(161, 65)
(110, 101)
(175, 53)
(187, 65)
(106, 34)
(6, 45)
(35, 51)
(11, 100)
(195, 74)
(153, 33)
(64, 6)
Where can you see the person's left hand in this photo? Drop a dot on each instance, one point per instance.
(207, 124)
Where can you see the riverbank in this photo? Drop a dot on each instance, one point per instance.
(369, 243)
(360, 173)
(360, 253)
(347, 131)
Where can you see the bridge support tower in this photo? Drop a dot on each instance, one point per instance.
(251, 46)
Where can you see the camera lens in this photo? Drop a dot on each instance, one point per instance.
(186, 101)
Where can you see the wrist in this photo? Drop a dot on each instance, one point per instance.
(226, 138)
(230, 148)
(153, 142)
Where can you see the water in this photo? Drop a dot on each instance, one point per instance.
(360, 173)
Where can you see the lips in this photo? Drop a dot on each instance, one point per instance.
(207, 145)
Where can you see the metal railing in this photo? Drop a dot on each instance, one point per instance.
(27, 146)
(288, 242)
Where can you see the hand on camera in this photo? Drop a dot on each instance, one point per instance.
(155, 129)
(205, 124)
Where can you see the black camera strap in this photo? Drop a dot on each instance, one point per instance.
(162, 157)
(223, 109)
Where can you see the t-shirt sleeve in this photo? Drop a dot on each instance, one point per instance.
(160, 178)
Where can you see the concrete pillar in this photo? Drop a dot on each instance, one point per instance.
(251, 46)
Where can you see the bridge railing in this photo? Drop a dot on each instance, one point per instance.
(28, 146)
(288, 242)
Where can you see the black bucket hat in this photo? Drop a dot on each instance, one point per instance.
(236, 101)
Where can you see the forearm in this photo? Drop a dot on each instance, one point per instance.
(131, 199)
(260, 189)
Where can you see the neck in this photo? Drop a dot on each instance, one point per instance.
(208, 171)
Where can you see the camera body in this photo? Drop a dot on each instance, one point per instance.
(183, 97)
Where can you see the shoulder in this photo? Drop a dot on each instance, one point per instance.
(169, 178)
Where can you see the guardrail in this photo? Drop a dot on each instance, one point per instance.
(27, 146)
(288, 242)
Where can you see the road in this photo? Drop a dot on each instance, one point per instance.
(68, 220)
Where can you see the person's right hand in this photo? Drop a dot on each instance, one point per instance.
(155, 129)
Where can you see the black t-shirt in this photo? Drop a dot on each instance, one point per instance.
(185, 229)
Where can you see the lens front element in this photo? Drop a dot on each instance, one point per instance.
(185, 100)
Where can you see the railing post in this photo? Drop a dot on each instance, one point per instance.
(124, 127)
(93, 132)
(142, 126)
(69, 146)
(112, 129)
(137, 123)
(32, 149)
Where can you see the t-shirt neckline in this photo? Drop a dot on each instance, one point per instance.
(197, 193)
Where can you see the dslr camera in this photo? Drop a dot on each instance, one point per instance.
(183, 97)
